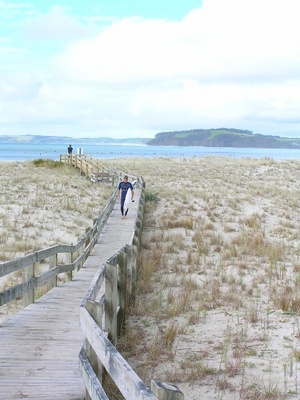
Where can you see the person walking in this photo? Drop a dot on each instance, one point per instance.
(70, 149)
(123, 188)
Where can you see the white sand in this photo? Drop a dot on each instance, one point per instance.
(42, 207)
(229, 286)
(237, 334)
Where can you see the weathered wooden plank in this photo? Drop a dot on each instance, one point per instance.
(95, 285)
(92, 383)
(40, 344)
(46, 276)
(111, 301)
(128, 382)
(17, 291)
(8, 267)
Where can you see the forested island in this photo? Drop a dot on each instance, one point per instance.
(223, 137)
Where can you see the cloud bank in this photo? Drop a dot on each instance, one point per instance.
(232, 63)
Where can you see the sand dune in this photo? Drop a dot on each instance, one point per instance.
(220, 315)
(218, 308)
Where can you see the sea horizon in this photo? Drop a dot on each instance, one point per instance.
(17, 151)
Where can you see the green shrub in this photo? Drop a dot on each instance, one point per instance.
(150, 197)
(41, 162)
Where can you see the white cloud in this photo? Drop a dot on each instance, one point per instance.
(55, 25)
(22, 87)
(232, 63)
(223, 40)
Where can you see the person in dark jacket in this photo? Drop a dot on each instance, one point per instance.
(123, 189)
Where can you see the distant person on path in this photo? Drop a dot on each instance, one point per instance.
(70, 149)
(123, 189)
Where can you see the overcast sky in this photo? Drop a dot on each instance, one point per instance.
(132, 68)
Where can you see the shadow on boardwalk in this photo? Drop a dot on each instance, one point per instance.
(40, 344)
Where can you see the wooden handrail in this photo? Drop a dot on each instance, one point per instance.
(93, 168)
(78, 253)
(120, 275)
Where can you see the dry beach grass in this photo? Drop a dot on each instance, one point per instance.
(43, 204)
(218, 309)
(218, 303)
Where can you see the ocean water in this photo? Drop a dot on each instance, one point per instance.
(52, 151)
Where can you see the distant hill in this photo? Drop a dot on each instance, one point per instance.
(223, 137)
(68, 140)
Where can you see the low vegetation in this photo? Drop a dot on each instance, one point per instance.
(43, 203)
(217, 310)
(218, 303)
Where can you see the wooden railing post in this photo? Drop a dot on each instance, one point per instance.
(111, 301)
(28, 298)
(137, 234)
(72, 258)
(96, 311)
(52, 264)
(122, 292)
(166, 391)
(131, 252)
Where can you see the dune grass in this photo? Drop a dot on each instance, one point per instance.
(218, 305)
(218, 300)
(43, 203)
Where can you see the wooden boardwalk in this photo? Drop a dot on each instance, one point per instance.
(39, 346)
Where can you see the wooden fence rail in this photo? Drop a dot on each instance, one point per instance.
(49, 260)
(103, 321)
(91, 167)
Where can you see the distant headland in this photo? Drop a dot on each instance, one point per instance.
(220, 137)
(223, 137)
(43, 139)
